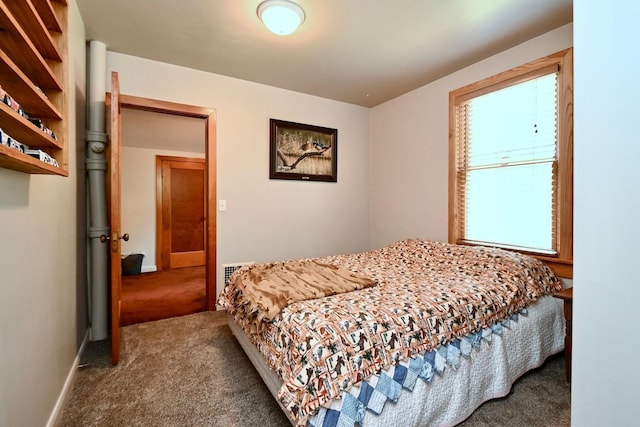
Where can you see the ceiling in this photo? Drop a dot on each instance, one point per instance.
(362, 52)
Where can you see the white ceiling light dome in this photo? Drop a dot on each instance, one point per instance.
(281, 17)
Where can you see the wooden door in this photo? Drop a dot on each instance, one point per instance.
(181, 211)
(114, 211)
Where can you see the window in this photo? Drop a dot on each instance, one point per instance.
(511, 161)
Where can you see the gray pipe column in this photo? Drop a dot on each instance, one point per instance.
(96, 164)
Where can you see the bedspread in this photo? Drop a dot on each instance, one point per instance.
(428, 295)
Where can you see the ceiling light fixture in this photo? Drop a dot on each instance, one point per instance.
(282, 17)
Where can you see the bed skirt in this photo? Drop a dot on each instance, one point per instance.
(450, 398)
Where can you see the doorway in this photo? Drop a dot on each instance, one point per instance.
(162, 289)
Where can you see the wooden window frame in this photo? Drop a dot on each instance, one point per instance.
(562, 263)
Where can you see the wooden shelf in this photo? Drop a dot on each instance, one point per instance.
(18, 161)
(33, 101)
(24, 131)
(27, 16)
(33, 70)
(48, 15)
(15, 42)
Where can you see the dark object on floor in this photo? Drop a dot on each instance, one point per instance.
(132, 264)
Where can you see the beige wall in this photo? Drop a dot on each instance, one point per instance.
(409, 146)
(268, 219)
(42, 270)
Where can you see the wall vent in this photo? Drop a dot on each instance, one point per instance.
(230, 268)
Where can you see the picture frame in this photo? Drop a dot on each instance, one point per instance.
(302, 152)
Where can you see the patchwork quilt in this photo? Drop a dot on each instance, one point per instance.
(428, 295)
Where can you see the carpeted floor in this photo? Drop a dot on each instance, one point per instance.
(190, 371)
(162, 294)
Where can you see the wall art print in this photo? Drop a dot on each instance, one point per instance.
(303, 152)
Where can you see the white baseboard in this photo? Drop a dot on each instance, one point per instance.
(65, 393)
(148, 268)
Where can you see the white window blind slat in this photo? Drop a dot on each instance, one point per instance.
(507, 155)
(514, 124)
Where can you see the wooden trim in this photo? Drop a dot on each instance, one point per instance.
(508, 78)
(555, 61)
(565, 156)
(454, 221)
(159, 204)
(165, 107)
(211, 138)
(562, 61)
(563, 268)
(209, 115)
(115, 222)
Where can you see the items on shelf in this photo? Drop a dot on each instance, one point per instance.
(41, 91)
(42, 156)
(12, 103)
(15, 106)
(43, 128)
(6, 139)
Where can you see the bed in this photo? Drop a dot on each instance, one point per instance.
(415, 333)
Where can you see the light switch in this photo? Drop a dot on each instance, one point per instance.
(222, 205)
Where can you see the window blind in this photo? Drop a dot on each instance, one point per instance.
(507, 165)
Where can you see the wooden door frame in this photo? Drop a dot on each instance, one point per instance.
(114, 212)
(209, 115)
(160, 159)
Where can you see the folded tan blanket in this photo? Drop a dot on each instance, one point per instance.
(268, 288)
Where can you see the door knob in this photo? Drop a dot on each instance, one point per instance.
(104, 238)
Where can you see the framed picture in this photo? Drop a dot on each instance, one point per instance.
(303, 152)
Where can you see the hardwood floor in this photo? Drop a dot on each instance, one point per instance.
(162, 294)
